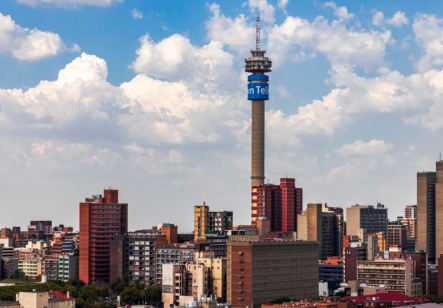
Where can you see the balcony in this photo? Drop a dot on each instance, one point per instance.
(240, 298)
(240, 252)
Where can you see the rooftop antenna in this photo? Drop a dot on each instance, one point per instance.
(257, 33)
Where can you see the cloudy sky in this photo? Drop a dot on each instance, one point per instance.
(149, 97)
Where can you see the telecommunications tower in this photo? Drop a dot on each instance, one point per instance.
(258, 92)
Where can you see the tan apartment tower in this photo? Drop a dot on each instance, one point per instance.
(200, 220)
(258, 92)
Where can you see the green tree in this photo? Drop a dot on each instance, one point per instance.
(131, 295)
(152, 295)
(88, 292)
(79, 303)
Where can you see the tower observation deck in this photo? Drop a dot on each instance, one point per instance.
(258, 92)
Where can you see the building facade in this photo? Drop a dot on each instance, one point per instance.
(258, 272)
(426, 211)
(280, 204)
(371, 218)
(398, 275)
(101, 218)
(133, 254)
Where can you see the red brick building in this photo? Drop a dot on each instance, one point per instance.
(258, 272)
(278, 203)
(100, 219)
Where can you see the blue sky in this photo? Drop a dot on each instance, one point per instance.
(149, 97)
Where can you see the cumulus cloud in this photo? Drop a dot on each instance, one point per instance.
(103, 3)
(137, 14)
(175, 58)
(428, 30)
(266, 10)
(282, 4)
(29, 45)
(399, 19)
(377, 19)
(339, 44)
(233, 32)
(358, 147)
(341, 12)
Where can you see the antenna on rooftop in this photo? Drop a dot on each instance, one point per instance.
(257, 33)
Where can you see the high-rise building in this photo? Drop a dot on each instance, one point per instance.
(133, 254)
(260, 271)
(430, 212)
(397, 235)
(280, 204)
(205, 220)
(372, 219)
(101, 218)
(324, 225)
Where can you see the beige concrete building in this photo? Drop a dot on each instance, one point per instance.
(372, 218)
(200, 220)
(217, 271)
(45, 300)
(398, 275)
(198, 280)
(323, 225)
(174, 284)
(31, 267)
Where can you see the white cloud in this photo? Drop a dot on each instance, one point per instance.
(29, 45)
(175, 58)
(282, 4)
(137, 14)
(235, 33)
(340, 45)
(103, 3)
(341, 12)
(266, 10)
(428, 30)
(377, 19)
(358, 147)
(399, 19)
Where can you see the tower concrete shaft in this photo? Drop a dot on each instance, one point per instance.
(258, 143)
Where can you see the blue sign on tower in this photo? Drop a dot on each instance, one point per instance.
(258, 87)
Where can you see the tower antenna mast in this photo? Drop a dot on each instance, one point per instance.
(257, 33)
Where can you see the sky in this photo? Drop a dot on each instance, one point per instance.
(149, 97)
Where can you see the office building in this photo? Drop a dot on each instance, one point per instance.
(430, 212)
(101, 218)
(9, 267)
(397, 235)
(258, 272)
(50, 267)
(68, 266)
(172, 254)
(371, 218)
(280, 204)
(421, 268)
(398, 275)
(323, 225)
(133, 254)
(206, 221)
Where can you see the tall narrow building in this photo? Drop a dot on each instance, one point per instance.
(426, 213)
(258, 92)
(280, 204)
(101, 218)
(430, 212)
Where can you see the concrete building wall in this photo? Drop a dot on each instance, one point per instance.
(261, 271)
(439, 210)
(200, 220)
(33, 299)
(426, 213)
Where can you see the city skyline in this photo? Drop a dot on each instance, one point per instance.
(151, 100)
